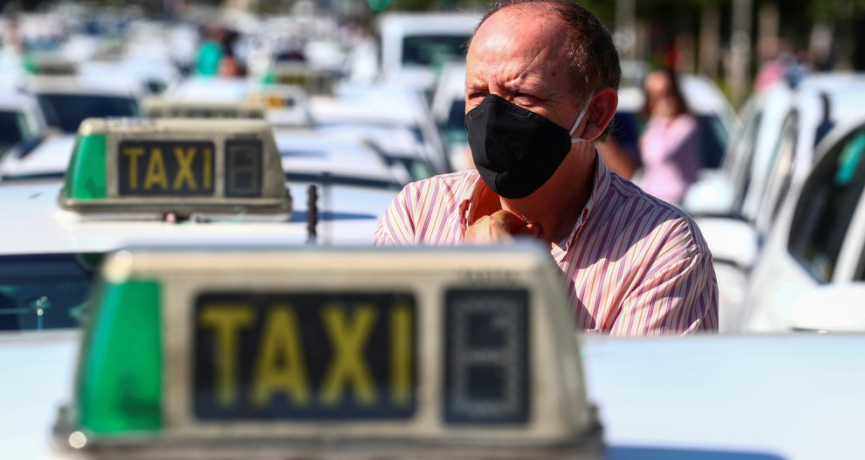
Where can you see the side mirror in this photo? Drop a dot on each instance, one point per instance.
(710, 196)
(830, 308)
(731, 241)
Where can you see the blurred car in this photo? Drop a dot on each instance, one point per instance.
(43, 158)
(784, 136)
(396, 145)
(68, 100)
(20, 120)
(328, 159)
(448, 109)
(413, 45)
(392, 107)
(819, 234)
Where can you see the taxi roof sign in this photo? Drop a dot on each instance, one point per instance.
(161, 107)
(463, 350)
(181, 166)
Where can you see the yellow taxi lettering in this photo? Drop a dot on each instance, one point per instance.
(208, 159)
(280, 366)
(400, 355)
(156, 171)
(348, 366)
(133, 154)
(184, 172)
(226, 321)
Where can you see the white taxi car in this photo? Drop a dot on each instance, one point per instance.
(412, 44)
(135, 181)
(819, 234)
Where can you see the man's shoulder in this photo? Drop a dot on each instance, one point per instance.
(670, 218)
(454, 185)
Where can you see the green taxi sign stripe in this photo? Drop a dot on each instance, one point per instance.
(119, 383)
(86, 175)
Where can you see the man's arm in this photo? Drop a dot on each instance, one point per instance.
(678, 297)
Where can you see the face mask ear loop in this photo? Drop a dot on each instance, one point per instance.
(580, 119)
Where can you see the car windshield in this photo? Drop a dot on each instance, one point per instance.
(67, 111)
(44, 291)
(425, 50)
(13, 127)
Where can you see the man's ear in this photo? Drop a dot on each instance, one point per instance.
(600, 113)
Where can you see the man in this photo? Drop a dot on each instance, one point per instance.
(541, 81)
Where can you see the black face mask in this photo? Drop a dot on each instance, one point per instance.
(515, 150)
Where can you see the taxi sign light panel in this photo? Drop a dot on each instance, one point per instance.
(199, 345)
(170, 165)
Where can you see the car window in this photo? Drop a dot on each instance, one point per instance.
(826, 207)
(67, 111)
(44, 291)
(743, 147)
(13, 127)
(782, 170)
(425, 50)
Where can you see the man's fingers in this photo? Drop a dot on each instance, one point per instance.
(529, 230)
(514, 223)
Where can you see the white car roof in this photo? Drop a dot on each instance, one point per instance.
(313, 154)
(98, 84)
(49, 159)
(396, 141)
(380, 104)
(32, 223)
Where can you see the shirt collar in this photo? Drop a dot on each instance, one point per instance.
(600, 187)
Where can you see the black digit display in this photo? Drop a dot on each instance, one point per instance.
(243, 165)
(486, 356)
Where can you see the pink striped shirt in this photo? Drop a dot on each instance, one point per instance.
(634, 265)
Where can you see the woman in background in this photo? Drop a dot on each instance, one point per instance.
(671, 141)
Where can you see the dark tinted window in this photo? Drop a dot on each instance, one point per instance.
(713, 140)
(67, 111)
(44, 291)
(428, 49)
(826, 207)
(13, 128)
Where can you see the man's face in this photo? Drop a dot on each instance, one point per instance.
(519, 54)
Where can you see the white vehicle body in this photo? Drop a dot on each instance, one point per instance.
(397, 145)
(667, 414)
(403, 35)
(385, 106)
(46, 160)
(819, 235)
(288, 106)
(338, 160)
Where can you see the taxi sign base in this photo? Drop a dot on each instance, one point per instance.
(84, 210)
(589, 447)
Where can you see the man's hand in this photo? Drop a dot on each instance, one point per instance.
(499, 226)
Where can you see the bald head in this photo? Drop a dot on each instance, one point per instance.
(588, 49)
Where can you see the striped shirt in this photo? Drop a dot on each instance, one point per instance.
(633, 265)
